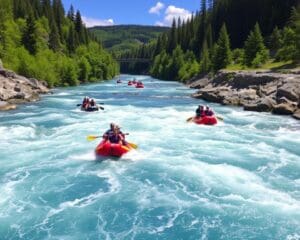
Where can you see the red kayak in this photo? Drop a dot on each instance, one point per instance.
(207, 120)
(130, 83)
(140, 86)
(106, 149)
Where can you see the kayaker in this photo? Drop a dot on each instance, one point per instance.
(208, 112)
(85, 102)
(92, 103)
(109, 131)
(122, 134)
(200, 111)
(116, 137)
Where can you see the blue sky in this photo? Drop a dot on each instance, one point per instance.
(145, 12)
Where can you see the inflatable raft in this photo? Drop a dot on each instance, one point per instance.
(106, 149)
(207, 120)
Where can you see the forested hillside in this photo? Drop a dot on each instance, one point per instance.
(244, 33)
(38, 39)
(126, 37)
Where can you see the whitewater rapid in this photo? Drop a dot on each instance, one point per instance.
(237, 180)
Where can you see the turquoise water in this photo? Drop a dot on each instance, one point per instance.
(237, 180)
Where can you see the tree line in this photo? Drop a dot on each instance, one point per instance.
(38, 39)
(224, 32)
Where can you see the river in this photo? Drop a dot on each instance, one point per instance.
(237, 180)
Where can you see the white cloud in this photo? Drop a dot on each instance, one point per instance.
(174, 12)
(157, 8)
(91, 22)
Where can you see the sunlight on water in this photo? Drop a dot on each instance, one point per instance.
(237, 180)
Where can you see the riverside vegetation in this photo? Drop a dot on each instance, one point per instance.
(38, 40)
(224, 34)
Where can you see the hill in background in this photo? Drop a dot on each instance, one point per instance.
(126, 37)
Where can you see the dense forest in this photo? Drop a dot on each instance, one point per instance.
(243, 33)
(38, 39)
(120, 38)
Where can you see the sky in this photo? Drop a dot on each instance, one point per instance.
(144, 12)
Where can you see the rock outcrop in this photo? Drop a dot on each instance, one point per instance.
(15, 89)
(255, 91)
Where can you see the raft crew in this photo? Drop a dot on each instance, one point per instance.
(209, 112)
(115, 135)
(202, 112)
(89, 104)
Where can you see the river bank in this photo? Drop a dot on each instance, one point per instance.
(16, 89)
(261, 91)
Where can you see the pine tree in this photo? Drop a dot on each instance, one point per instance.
(47, 9)
(29, 37)
(71, 14)
(275, 41)
(205, 63)
(79, 27)
(59, 15)
(288, 51)
(295, 20)
(54, 39)
(172, 39)
(201, 29)
(222, 55)
(255, 49)
(71, 39)
(158, 47)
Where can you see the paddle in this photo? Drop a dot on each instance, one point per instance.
(92, 138)
(190, 119)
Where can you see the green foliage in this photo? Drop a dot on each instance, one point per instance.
(288, 51)
(222, 55)
(295, 19)
(29, 35)
(275, 41)
(238, 56)
(190, 68)
(84, 69)
(205, 62)
(255, 51)
(126, 37)
(68, 72)
(37, 40)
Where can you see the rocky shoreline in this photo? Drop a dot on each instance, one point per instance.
(16, 89)
(278, 93)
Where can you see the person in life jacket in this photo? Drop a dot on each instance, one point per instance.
(116, 137)
(109, 131)
(92, 103)
(208, 112)
(123, 135)
(85, 102)
(200, 112)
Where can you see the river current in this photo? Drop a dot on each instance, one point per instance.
(237, 180)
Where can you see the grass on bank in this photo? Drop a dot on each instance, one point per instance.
(270, 65)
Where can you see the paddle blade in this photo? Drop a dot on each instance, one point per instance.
(220, 118)
(133, 145)
(102, 108)
(190, 119)
(92, 138)
(78, 105)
